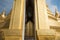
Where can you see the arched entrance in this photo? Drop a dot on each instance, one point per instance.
(29, 20)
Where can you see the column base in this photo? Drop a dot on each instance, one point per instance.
(12, 34)
(46, 34)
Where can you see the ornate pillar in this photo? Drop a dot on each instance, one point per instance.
(41, 14)
(41, 20)
(17, 15)
(17, 19)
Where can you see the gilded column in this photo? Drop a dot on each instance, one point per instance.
(17, 18)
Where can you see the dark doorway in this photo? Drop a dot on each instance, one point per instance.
(29, 20)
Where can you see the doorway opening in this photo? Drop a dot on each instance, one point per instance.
(29, 20)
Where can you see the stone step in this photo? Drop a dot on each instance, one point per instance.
(29, 38)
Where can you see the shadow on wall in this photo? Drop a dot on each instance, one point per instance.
(2, 35)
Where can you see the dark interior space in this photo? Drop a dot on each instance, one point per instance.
(29, 11)
(29, 20)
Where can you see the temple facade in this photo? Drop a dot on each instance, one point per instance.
(30, 20)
